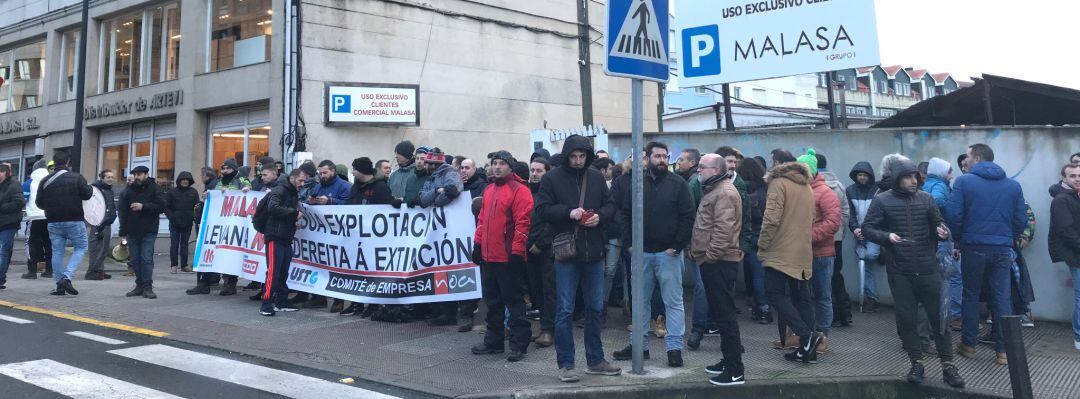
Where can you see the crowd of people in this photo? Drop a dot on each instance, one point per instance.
(553, 242)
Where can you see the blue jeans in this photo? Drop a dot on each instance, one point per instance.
(821, 283)
(142, 257)
(61, 234)
(869, 253)
(665, 271)
(950, 272)
(568, 276)
(1076, 304)
(611, 265)
(701, 303)
(752, 267)
(7, 240)
(995, 268)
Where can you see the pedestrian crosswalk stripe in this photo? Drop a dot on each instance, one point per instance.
(77, 383)
(15, 320)
(250, 375)
(95, 337)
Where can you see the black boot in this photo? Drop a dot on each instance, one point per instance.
(148, 291)
(200, 289)
(228, 289)
(68, 288)
(138, 291)
(59, 291)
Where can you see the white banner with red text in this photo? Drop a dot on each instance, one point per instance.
(361, 253)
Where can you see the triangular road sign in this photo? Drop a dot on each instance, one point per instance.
(640, 37)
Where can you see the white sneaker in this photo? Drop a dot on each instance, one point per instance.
(1077, 345)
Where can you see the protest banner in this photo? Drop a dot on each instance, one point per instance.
(362, 253)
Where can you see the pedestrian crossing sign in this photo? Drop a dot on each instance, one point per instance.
(636, 42)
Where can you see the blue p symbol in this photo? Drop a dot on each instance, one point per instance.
(701, 51)
(341, 103)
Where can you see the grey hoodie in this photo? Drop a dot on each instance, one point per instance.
(838, 188)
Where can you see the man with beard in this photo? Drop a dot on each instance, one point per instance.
(574, 199)
(539, 267)
(501, 233)
(140, 206)
(330, 190)
(669, 220)
(369, 188)
(101, 234)
(907, 224)
(229, 180)
(412, 189)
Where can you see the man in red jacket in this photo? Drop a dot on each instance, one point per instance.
(826, 223)
(502, 229)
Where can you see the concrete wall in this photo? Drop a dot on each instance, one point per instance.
(1031, 155)
(484, 85)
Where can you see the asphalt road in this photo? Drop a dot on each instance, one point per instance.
(42, 356)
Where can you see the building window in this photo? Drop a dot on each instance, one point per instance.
(242, 135)
(760, 96)
(141, 48)
(883, 87)
(150, 144)
(699, 90)
(738, 92)
(823, 79)
(240, 33)
(22, 69)
(69, 52)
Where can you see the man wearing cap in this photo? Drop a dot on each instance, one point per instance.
(38, 244)
(499, 247)
(229, 180)
(404, 155)
(61, 194)
(140, 206)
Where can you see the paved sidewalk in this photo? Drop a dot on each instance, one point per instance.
(437, 360)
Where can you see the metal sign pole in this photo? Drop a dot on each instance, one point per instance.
(637, 341)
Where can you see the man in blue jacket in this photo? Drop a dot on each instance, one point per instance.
(985, 212)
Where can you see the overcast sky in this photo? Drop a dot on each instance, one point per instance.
(1032, 40)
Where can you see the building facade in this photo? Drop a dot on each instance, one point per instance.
(181, 84)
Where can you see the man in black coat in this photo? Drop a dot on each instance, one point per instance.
(60, 195)
(541, 275)
(11, 207)
(284, 209)
(907, 224)
(140, 206)
(473, 179)
(567, 210)
(101, 235)
(369, 188)
(180, 210)
(1064, 243)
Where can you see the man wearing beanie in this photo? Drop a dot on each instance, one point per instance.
(907, 224)
(230, 180)
(827, 221)
(786, 251)
(404, 154)
(938, 177)
(369, 188)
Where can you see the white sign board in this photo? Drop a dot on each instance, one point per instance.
(375, 104)
(724, 41)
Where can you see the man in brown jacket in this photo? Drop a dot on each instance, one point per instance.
(715, 247)
(785, 250)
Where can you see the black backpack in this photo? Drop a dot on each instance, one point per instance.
(262, 215)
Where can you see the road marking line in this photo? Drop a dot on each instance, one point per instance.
(250, 375)
(15, 320)
(77, 383)
(87, 320)
(94, 337)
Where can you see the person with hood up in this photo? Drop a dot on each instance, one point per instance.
(841, 300)
(369, 188)
(474, 179)
(101, 235)
(715, 247)
(986, 213)
(444, 184)
(859, 196)
(60, 195)
(140, 208)
(668, 225)
(1064, 237)
(786, 251)
(539, 263)
(404, 156)
(574, 199)
(38, 243)
(502, 230)
(229, 179)
(827, 221)
(938, 177)
(180, 210)
(11, 209)
(907, 224)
